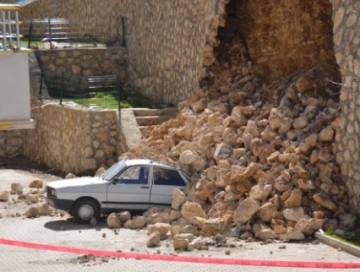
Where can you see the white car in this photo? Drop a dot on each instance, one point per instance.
(127, 185)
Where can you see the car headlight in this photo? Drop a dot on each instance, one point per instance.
(51, 192)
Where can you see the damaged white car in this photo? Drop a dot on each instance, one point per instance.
(127, 185)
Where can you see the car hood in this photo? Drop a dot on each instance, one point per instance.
(77, 182)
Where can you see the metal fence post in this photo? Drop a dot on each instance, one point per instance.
(118, 92)
(49, 20)
(41, 84)
(17, 30)
(62, 87)
(3, 29)
(30, 33)
(10, 26)
(123, 31)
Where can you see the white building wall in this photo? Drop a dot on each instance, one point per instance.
(14, 89)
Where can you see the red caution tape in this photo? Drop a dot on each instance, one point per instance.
(35, 108)
(143, 256)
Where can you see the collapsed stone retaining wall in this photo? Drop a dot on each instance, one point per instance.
(286, 36)
(169, 42)
(346, 19)
(74, 140)
(95, 62)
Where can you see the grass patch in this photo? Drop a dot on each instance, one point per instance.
(101, 100)
(108, 101)
(354, 241)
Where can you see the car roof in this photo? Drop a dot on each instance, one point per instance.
(146, 162)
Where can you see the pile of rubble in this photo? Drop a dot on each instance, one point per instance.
(260, 156)
(34, 198)
(17, 189)
(166, 224)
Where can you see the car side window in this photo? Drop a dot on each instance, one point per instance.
(167, 177)
(134, 175)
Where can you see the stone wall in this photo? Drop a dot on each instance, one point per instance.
(168, 41)
(72, 139)
(95, 62)
(11, 143)
(283, 36)
(346, 19)
(98, 18)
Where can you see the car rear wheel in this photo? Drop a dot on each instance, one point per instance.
(84, 210)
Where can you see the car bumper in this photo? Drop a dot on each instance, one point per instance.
(61, 204)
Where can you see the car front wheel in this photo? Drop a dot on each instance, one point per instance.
(84, 210)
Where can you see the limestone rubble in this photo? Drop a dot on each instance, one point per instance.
(260, 156)
(4, 196)
(36, 184)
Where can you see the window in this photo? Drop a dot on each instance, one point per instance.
(167, 177)
(134, 175)
(113, 171)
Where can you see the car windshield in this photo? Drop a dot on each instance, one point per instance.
(113, 171)
(185, 175)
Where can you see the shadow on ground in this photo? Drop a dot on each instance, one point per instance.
(24, 164)
(70, 224)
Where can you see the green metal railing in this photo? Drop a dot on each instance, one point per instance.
(100, 92)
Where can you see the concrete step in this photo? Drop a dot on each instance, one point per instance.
(155, 112)
(147, 118)
(131, 134)
(152, 120)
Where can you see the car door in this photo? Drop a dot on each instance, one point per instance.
(130, 190)
(164, 182)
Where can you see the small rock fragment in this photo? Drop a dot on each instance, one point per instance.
(154, 239)
(17, 187)
(4, 196)
(113, 221)
(32, 212)
(36, 184)
(70, 176)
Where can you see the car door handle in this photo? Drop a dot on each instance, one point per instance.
(144, 187)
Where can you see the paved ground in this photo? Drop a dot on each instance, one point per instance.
(62, 262)
(54, 262)
(20, 171)
(63, 231)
